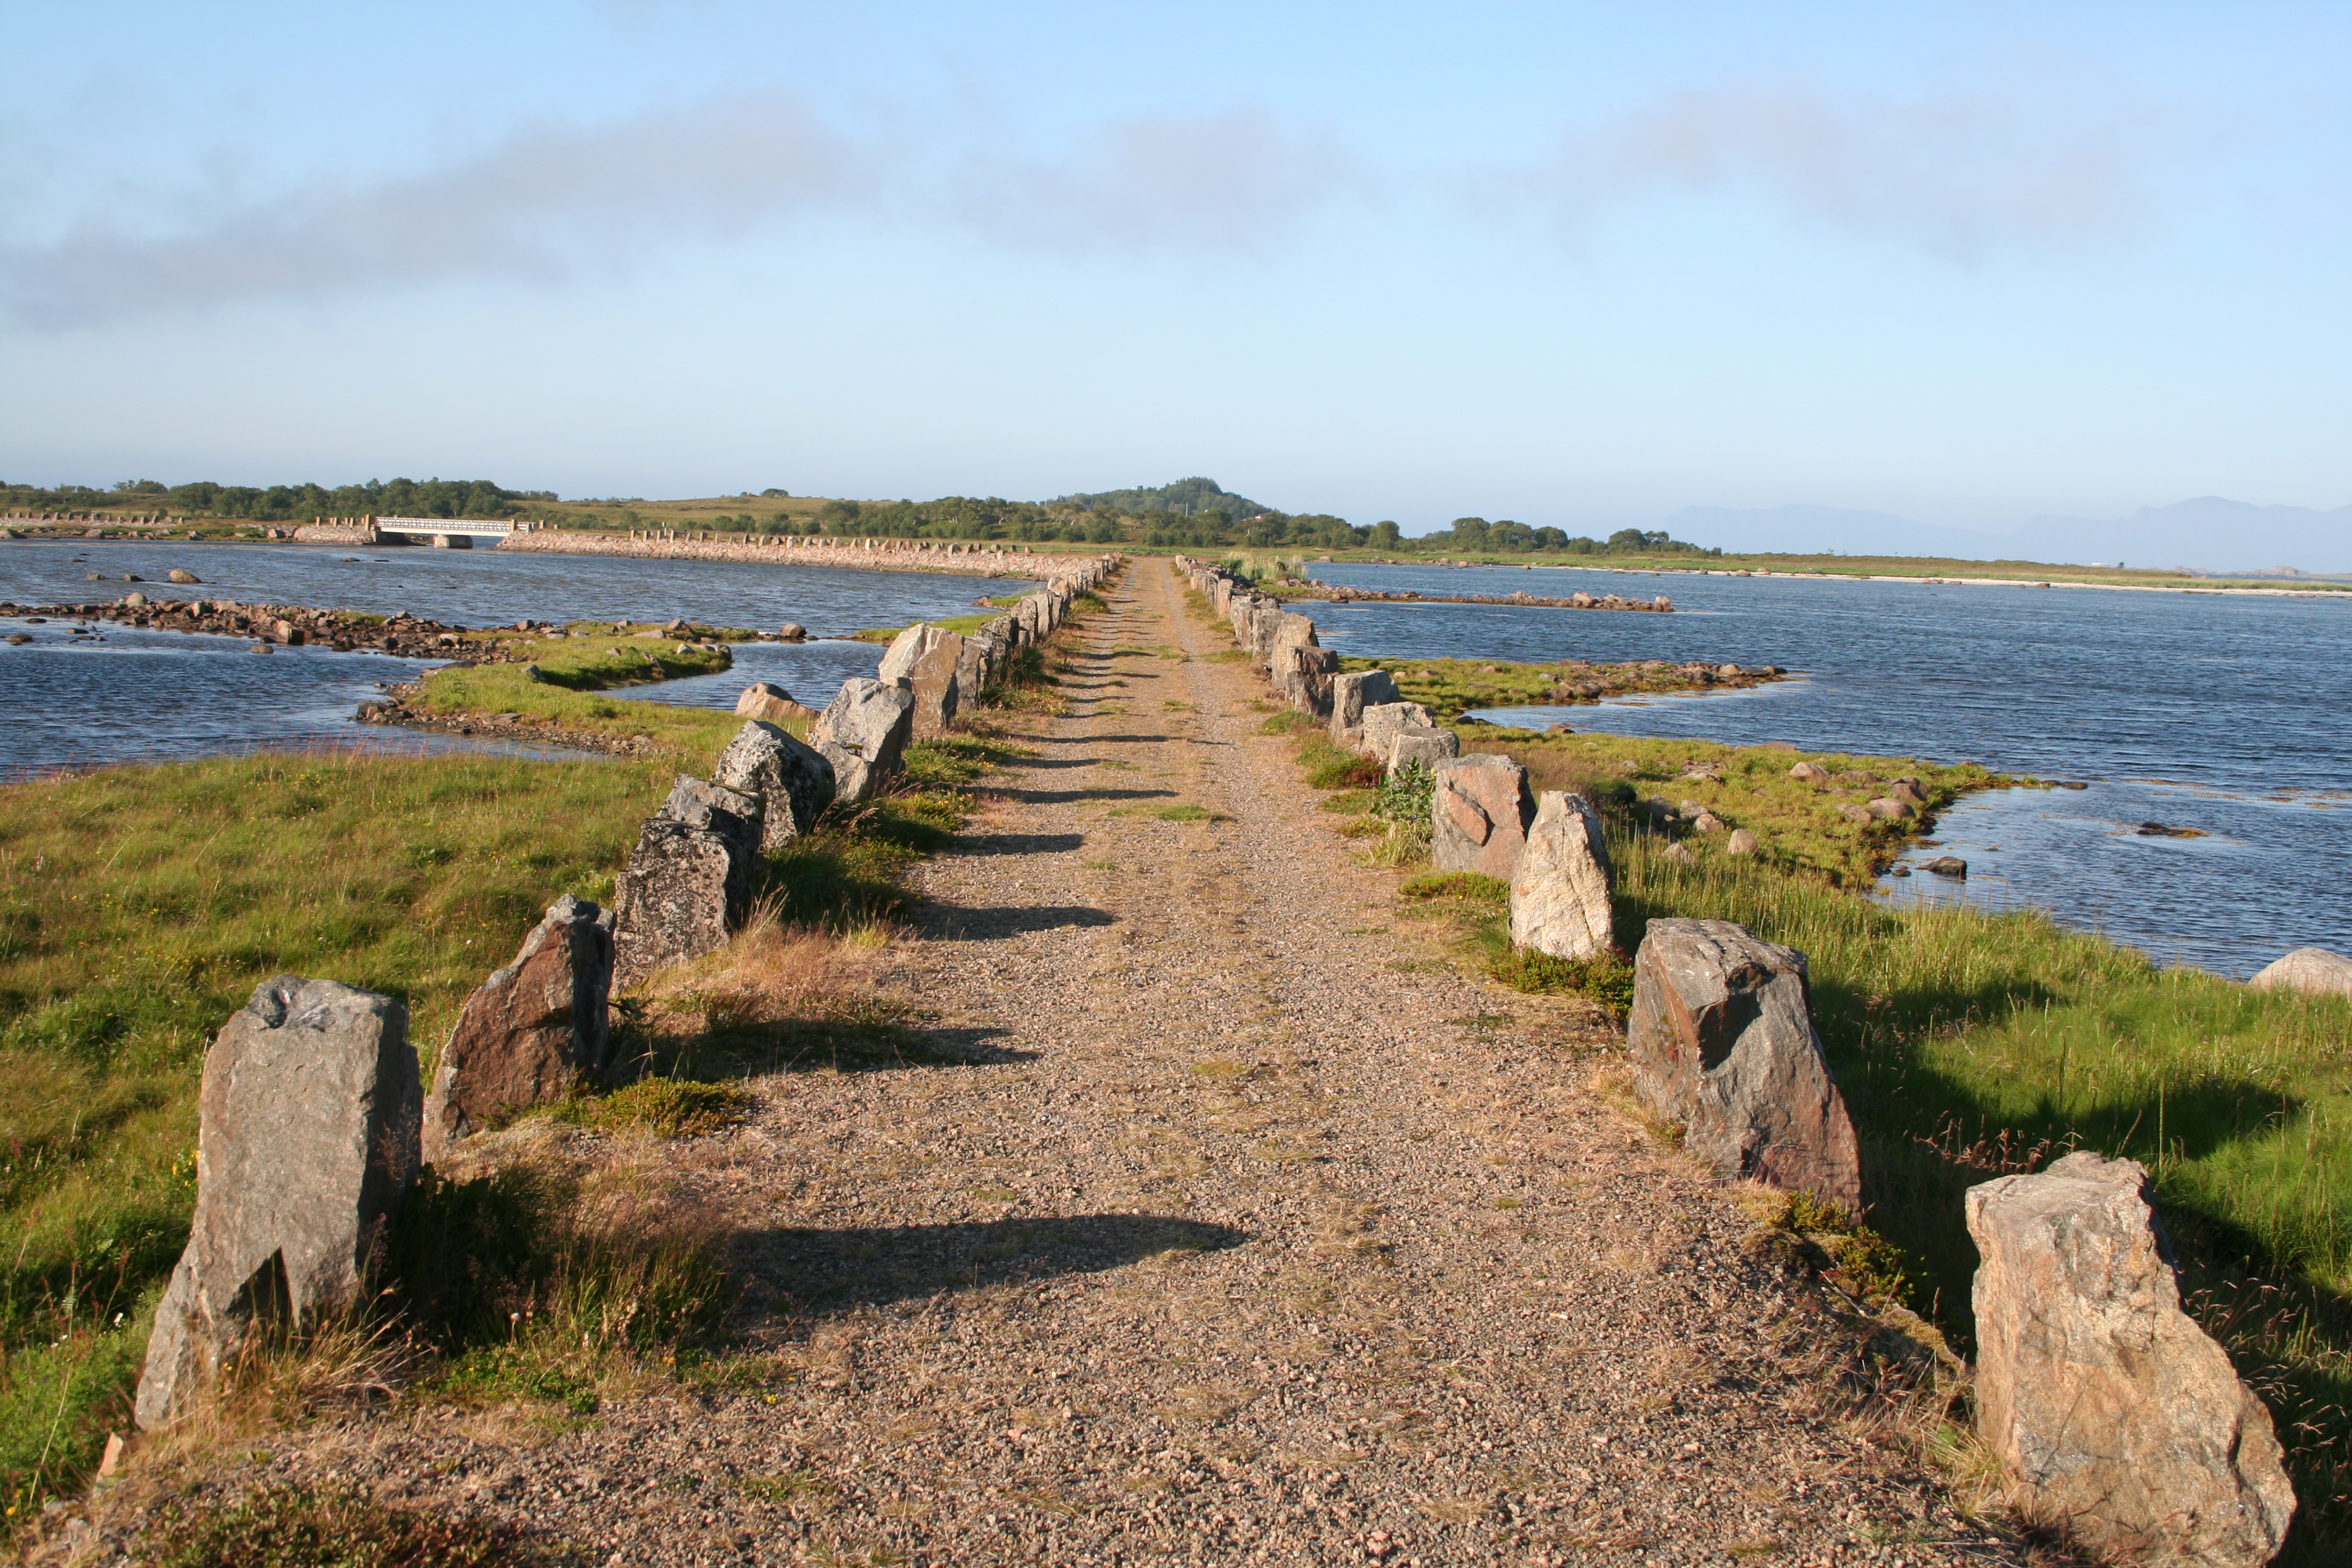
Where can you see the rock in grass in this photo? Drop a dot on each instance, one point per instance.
(2113, 1414)
(529, 1034)
(793, 781)
(1350, 695)
(2314, 971)
(1809, 772)
(765, 699)
(307, 1138)
(688, 883)
(1478, 814)
(1889, 808)
(863, 733)
(1741, 842)
(1722, 1042)
(1559, 886)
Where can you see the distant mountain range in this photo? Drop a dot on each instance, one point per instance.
(2208, 534)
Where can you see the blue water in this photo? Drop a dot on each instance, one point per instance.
(2230, 714)
(120, 694)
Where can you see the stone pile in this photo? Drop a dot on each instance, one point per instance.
(1340, 594)
(290, 625)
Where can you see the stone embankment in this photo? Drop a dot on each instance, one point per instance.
(1339, 594)
(979, 559)
(289, 626)
(2117, 1421)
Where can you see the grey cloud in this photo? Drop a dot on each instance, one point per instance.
(1957, 172)
(1220, 182)
(546, 202)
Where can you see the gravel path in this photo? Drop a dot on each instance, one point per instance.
(1260, 1236)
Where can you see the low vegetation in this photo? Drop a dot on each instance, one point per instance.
(1449, 687)
(561, 688)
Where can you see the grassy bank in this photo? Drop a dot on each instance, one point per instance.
(1449, 687)
(563, 688)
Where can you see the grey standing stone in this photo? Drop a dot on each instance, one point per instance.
(308, 1115)
(2314, 971)
(1560, 888)
(1353, 693)
(532, 1033)
(937, 682)
(1478, 814)
(1421, 743)
(2115, 1416)
(1722, 1042)
(688, 882)
(1384, 722)
(793, 781)
(908, 648)
(1302, 676)
(863, 733)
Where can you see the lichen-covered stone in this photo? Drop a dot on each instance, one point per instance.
(688, 882)
(308, 1119)
(863, 733)
(532, 1033)
(1722, 1042)
(793, 781)
(2113, 1416)
(1560, 886)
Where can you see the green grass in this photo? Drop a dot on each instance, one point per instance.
(567, 691)
(330, 1524)
(1450, 687)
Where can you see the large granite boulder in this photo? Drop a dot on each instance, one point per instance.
(1421, 743)
(937, 682)
(2314, 971)
(1478, 814)
(532, 1033)
(863, 733)
(1350, 695)
(1722, 1042)
(1560, 886)
(688, 882)
(1302, 676)
(307, 1138)
(2116, 1417)
(794, 781)
(905, 649)
(1383, 721)
(771, 703)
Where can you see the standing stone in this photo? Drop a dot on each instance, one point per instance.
(767, 701)
(2115, 1416)
(863, 733)
(1353, 693)
(1722, 1042)
(1302, 676)
(1382, 723)
(1478, 814)
(1560, 889)
(2314, 971)
(306, 1139)
(794, 781)
(533, 1032)
(937, 682)
(906, 649)
(687, 882)
(976, 662)
(1421, 743)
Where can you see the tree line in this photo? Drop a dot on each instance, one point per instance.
(282, 503)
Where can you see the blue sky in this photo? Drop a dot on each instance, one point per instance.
(1574, 264)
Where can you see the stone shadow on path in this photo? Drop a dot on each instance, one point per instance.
(965, 923)
(1018, 843)
(835, 1270)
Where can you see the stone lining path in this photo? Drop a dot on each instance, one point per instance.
(1255, 1233)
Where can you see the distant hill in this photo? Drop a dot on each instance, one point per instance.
(2208, 534)
(1821, 530)
(1185, 497)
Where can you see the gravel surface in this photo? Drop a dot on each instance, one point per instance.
(1253, 1233)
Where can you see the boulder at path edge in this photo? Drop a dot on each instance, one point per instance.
(309, 1114)
(794, 781)
(1350, 695)
(1382, 722)
(937, 682)
(2115, 1417)
(1421, 743)
(688, 882)
(1722, 1043)
(1560, 889)
(863, 733)
(1478, 814)
(533, 1032)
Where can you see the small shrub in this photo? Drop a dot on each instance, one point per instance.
(333, 1524)
(669, 1107)
(1404, 796)
(1606, 978)
(1861, 1259)
(1470, 887)
(1350, 802)
(1290, 724)
(1331, 768)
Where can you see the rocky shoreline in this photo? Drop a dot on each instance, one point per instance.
(1336, 594)
(290, 625)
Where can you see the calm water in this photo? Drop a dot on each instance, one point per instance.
(2229, 715)
(122, 694)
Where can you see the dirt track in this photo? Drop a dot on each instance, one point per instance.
(1254, 1233)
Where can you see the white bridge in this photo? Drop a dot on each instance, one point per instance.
(446, 532)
